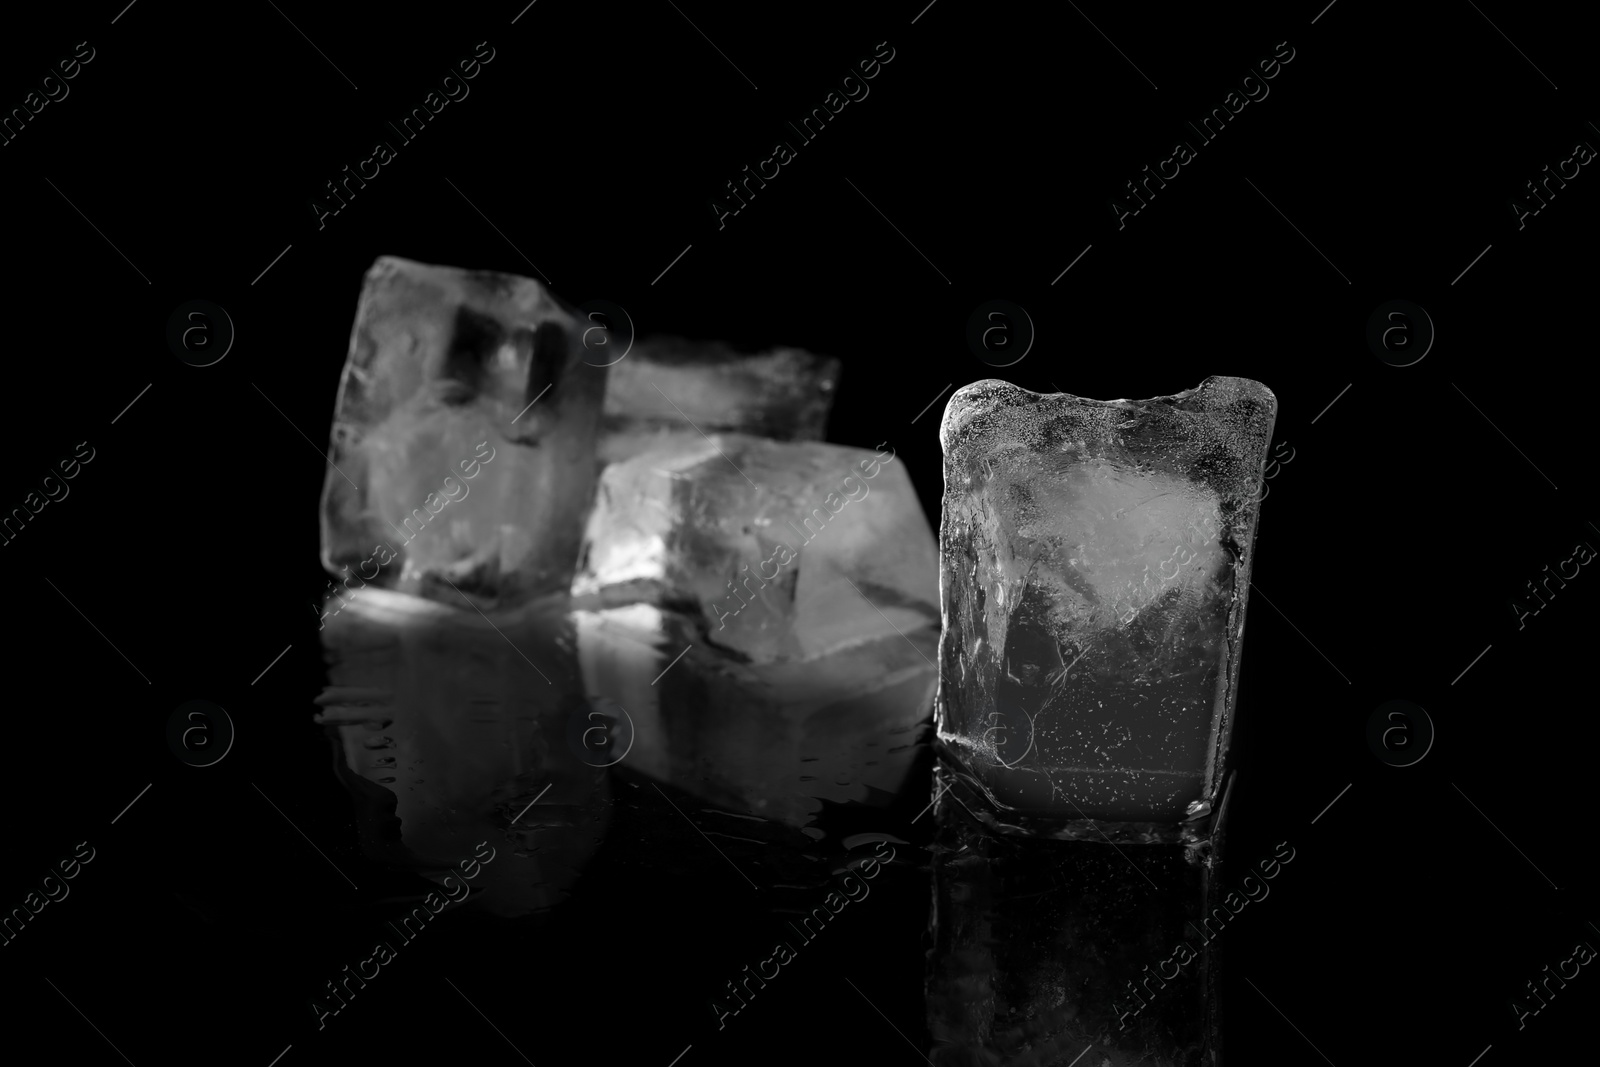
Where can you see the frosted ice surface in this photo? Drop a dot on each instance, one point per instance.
(463, 437)
(782, 550)
(1094, 562)
(665, 384)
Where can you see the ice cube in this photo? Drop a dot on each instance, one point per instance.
(1095, 560)
(463, 437)
(781, 550)
(666, 383)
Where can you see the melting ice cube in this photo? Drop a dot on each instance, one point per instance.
(463, 437)
(783, 550)
(666, 383)
(1095, 559)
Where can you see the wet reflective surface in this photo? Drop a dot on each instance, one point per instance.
(753, 803)
(455, 728)
(532, 728)
(1047, 950)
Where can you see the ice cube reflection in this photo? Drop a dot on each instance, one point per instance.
(463, 722)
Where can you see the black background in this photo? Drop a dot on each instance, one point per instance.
(1413, 510)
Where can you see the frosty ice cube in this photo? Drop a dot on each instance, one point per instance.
(667, 383)
(780, 550)
(1095, 560)
(463, 437)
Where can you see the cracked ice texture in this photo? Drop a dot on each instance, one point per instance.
(665, 384)
(442, 360)
(1095, 559)
(826, 545)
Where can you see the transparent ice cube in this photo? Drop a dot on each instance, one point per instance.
(665, 384)
(463, 437)
(1095, 560)
(782, 550)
